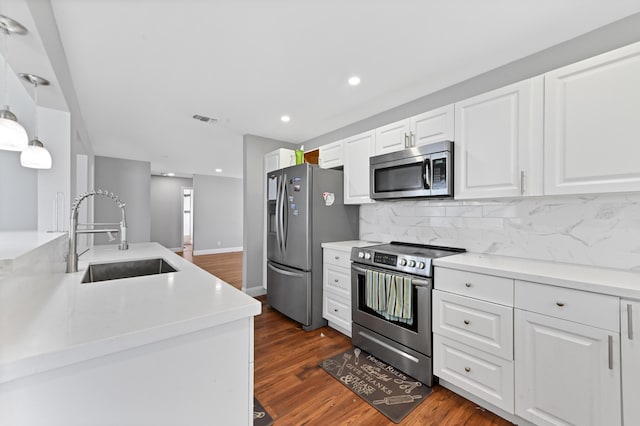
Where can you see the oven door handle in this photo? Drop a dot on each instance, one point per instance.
(414, 281)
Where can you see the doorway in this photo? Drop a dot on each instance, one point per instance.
(187, 219)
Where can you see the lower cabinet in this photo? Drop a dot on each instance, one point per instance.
(630, 354)
(566, 373)
(336, 289)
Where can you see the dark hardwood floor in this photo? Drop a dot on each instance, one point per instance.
(296, 391)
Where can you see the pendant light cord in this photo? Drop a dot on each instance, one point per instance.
(5, 79)
(35, 109)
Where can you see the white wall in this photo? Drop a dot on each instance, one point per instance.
(167, 210)
(131, 181)
(18, 194)
(217, 214)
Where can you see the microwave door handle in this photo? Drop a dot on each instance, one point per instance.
(426, 173)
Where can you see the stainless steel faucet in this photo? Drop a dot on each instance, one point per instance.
(72, 256)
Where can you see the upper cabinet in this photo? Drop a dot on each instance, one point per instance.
(279, 159)
(592, 125)
(356, 152)
(498, 142)
(432, 126)
(331, 155)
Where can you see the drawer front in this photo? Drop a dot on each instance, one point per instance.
(338, 279)
(337, 257)
(480, 286)
(482, 325)
(337, 309)
(597, 310)
(481, 374)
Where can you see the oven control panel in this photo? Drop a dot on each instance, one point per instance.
(404, 263)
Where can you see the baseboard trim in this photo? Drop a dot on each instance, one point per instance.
(255, 291)
(217, 251)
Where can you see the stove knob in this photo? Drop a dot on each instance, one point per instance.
(403, 262)
(412, 263)
(360, 254)
(421, 265)
(367, 256)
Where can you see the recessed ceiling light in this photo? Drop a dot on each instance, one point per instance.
(285, 119)
(354, 81)
(218, 170)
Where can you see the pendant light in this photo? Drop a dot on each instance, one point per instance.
(13, 137)
(36, 156)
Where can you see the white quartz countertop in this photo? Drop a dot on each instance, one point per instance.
(48, 321)
(348, 245)
(598, 280)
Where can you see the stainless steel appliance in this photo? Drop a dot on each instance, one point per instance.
(304, 209)
(424, 171)
(405, 346)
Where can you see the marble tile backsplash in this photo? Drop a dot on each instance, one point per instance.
(598, 230)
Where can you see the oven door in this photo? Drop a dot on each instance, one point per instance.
(416, 336)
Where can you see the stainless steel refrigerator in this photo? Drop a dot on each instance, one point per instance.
(304, 209)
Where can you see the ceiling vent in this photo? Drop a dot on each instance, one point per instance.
(205, 119)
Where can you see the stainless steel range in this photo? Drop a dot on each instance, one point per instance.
(391, 309)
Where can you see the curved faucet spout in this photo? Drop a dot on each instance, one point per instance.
(72, 256)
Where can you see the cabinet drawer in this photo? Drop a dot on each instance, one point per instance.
(484, 375)
(337, 309)
(479, 286)
(482, 325)
(338, 279)
(597, 310)
(337, 257)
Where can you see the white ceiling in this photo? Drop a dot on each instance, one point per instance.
(142, 69)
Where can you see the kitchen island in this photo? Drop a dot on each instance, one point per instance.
(166, 349)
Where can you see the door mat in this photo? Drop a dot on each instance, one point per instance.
(385, 388)
(260, 415)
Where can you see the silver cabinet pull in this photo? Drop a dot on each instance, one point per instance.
(412, 139)
(406, 140)
(561, 304)
(521, 182)
(335, 310)
(610, 352)
(630, 321)
(467, 322)
(336, 280)
(467, 369)
(467, 285)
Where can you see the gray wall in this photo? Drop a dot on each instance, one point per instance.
(167, 209)
(131, 181)
(255, 147)
(19, 194)
(217, 213)
(617, 34)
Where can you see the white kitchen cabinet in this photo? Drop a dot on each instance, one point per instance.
(331, 155)
(592, 125)
(498, 142)
(422, 129)
(274, 160)
(336, 287)
(630, 354)
(393, 137)
(566, 372)
(357, 150)
(473, 334)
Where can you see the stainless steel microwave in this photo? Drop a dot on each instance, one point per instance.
(424, 171)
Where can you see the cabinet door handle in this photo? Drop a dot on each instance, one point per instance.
(610, 352)
(336, 280)
(335, 310)
(467, 369)
(467, 285)
(412, 139)
(406, 140)
(467, 322)
(336, 257)
(630, 321)
(521, 182)
(561, 304)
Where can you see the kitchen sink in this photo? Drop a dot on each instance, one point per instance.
(128, 269)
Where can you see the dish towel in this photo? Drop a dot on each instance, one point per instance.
(389, 295)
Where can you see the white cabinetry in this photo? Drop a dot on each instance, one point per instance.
(331, 155)
(274, 160)
(473, 334)
(592, 125)
(568, 360)
(336, 290)
(357, 150)
(432, 126)
(630, 353)
(498, 142)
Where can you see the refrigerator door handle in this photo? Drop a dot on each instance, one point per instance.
(285, 215)
(277, 213)
(281, 213)
(284, 271)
